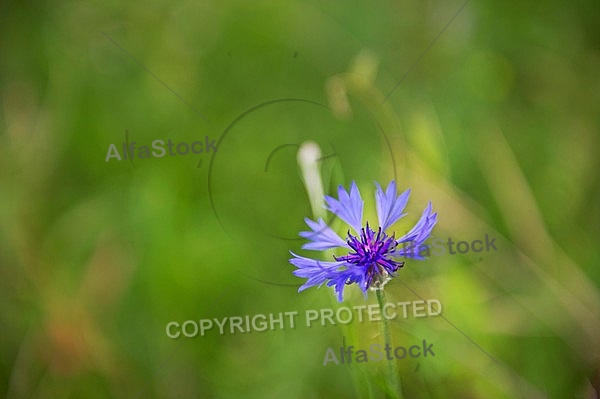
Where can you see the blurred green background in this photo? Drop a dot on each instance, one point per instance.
(497, 125)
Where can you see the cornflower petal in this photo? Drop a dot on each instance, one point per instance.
(316, 271)
(349, 207)
(417, 235)
(322, 237)
(390, 207)
(346, 277)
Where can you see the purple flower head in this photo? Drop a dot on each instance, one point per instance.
(371, 255)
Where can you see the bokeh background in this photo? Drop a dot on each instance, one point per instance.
(497, 125)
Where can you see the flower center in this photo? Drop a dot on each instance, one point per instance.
(372, 252)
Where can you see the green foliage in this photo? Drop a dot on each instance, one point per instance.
(497, 125)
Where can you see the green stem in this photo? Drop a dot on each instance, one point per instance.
(392, 368)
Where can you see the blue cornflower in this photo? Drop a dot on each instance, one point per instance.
(372, 255)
